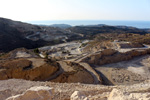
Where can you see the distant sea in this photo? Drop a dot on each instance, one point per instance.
(137, 24)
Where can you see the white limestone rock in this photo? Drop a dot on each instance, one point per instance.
(119, 95)
(77, 95)
(35, 93)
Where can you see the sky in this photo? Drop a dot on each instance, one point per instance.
(37, 10)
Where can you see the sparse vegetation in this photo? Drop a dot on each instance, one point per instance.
(65, 52)
(36, 50)
(1, 54)
(83, 45)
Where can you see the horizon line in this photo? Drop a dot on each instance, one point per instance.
(84, 20)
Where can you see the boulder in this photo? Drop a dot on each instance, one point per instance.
(35, 93)
(120, 95)
(77, 95)
(117, 95)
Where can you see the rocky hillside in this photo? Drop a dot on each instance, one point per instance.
(15, 34)
(11, 38)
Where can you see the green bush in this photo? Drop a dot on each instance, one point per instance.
(36, 50)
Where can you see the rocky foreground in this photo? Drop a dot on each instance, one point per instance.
(15, 89)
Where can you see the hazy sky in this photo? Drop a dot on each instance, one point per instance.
(31, 10)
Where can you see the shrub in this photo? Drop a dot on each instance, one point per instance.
(36, 50)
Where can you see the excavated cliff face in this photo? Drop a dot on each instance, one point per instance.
(108, 56)
(27, 69)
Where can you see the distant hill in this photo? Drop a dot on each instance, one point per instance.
(147, 30)
(62, 26)
(92, 30)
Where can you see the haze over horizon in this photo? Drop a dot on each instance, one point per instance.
(36, 10)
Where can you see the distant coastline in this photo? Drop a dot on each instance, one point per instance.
(137, 24)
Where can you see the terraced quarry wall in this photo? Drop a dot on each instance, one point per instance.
(112, 56)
